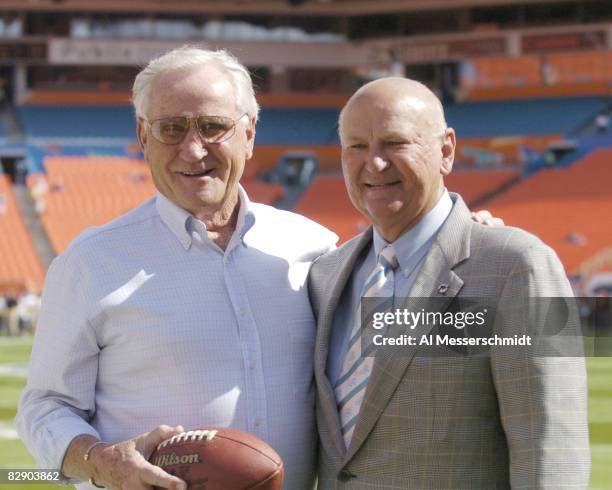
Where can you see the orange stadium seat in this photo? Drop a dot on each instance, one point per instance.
(553, 75)
(500, 151)
(20, 267)
(266, 156)
(326, 200)
(84, 192)
(90, 191)
(507, 71)
(476, 185)
(568, 208)
(580, 67)
(327, 203)
(74, 97)
(263, 192)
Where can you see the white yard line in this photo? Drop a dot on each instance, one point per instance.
(17, 370)
(7, 431)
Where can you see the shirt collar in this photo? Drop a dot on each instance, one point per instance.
(182, 224)
(412, 245)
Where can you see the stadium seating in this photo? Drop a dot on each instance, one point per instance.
(58, 121)
(474, 186)
(96, 97)
(557, 74)
(502, 151)
(110, 130)
(567, 208)
(89, 191)
(326, 200)
(20, 267)
(530, 117)
(502, 71)
(579, 67)
(84, 192)
(74, 98)
(297, 126)
(266, 156)
(285, 126)
(484, 129)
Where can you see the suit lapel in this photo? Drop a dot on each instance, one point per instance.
(436, 279)
(328, 419)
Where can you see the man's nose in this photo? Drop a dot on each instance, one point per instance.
(192, 147)
(377, 162)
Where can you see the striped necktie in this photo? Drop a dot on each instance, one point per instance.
(356, 368)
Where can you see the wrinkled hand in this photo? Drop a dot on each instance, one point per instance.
(485, 218)
(125, 465)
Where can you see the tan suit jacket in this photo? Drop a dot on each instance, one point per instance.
(505, 420)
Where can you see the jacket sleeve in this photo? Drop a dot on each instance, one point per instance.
(542, 390)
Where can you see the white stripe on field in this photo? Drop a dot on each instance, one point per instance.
(7, 431)
(18, 370)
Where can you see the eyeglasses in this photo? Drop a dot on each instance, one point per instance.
(212, 129)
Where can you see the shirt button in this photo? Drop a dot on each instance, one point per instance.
(258, 423)
(252, 365)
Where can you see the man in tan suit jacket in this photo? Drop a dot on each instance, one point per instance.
(507, 419)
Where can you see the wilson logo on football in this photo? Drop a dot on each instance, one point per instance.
(170, 459)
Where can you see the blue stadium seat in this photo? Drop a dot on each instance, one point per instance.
(527, 117)
(297, 126)
(78, 122)
(318, 126)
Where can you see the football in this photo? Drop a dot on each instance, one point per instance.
(220, 459)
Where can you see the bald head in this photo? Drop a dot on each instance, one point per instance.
(397, 92)
(396, 149)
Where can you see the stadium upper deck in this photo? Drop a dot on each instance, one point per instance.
(66, 67)
(311, 46)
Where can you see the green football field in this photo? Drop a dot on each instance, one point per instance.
(14, 353)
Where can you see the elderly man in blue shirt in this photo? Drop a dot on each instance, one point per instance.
(188, 311)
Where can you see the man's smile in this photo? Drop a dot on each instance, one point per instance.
(380, 185)
(197, 173)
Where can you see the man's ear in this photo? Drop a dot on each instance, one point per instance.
(141, 133)
(250, 134)
(449, 144)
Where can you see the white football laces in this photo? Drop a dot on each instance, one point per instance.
(192, 435)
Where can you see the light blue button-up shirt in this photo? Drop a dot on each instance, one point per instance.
(145, 321)
(410, 249)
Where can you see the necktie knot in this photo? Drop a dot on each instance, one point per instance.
(387, 258)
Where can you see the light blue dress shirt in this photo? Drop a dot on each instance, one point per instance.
(410, 249)
(145, 321)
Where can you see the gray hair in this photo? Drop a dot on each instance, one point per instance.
(194, 56)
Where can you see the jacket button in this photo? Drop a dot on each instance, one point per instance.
(345, 475)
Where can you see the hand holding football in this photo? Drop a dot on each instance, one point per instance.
(220, 459)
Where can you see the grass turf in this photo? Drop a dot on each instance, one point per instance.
(13, 454)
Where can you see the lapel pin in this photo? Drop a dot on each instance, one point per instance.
(442, 288)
